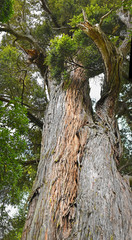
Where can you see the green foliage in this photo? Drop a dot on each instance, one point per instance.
(19, 140)
(61, 51)
(6, 10)
(14, 227)
(87, 54)
(65, 52)
(76, 19)
(18, 81)
(44, 33)
(15, 176)
(127, 5)
(13, 130)
(18, 220)
(8, 79)
(94, 12)
(61, 62)
(62, 10)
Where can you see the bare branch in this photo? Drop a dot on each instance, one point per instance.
(86, 22)
(35, 120)
(6, 98)
(31, 162)
(63, 28)
(45, 7)
(75, 63)
(105, 16)
(27, 37)
(84, 15)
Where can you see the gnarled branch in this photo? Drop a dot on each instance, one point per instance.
(112, 59)
(27, 37)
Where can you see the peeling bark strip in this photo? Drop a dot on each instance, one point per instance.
(67, 160)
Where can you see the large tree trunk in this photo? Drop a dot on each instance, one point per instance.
(78, 193)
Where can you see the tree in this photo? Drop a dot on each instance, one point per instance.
(13, 128)
(78, 192)
(20, 139)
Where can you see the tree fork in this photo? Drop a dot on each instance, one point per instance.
(112, 60)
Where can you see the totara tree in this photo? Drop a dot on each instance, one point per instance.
(78, 192)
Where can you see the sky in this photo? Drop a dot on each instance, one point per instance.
(95, 87)
(1, 34)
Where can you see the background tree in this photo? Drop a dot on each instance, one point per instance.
(20, 138)
(77, 140)
(6, 10)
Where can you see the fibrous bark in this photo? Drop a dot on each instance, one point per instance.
(78, 193)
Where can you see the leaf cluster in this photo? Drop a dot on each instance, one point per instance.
(19, 139)
(44, 33)
(16, 176)
(66, 54)
(13, 131)
(62, 50)
(6, 10)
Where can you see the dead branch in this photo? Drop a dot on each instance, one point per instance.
(84, 15)
(31, 162)
(105, 16)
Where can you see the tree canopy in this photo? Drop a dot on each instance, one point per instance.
(51, 28)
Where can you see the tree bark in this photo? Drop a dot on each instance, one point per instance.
(78, 192)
